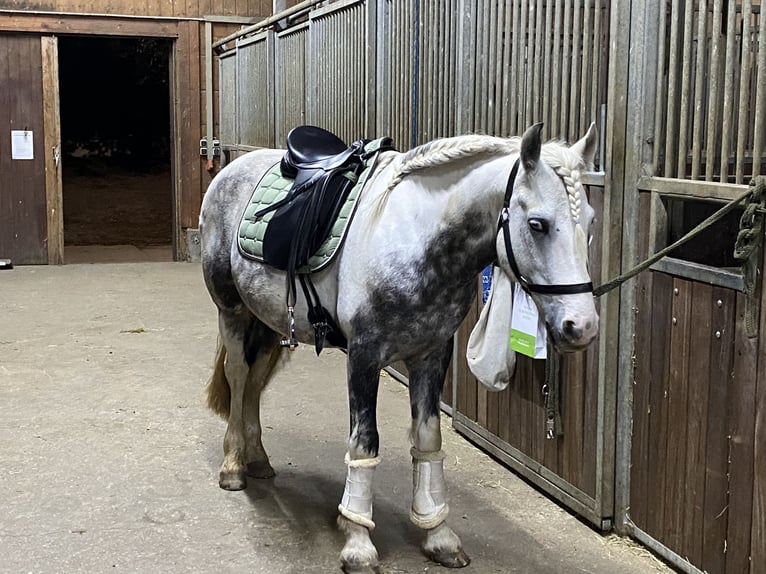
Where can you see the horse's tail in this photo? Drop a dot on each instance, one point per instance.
(218, 391)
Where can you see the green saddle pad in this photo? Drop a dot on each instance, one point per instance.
(272, 188)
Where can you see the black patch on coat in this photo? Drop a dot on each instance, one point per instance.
(426, 382)
(417, 325)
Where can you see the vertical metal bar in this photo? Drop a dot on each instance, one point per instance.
(507, 68)
(407, 48)
(699, 87)
(759, 121)
(427, 96)
(396, 72)
(370, 104)
(436, 39)
(537, 73)
(595, 105)
(464, 79)
(728, 97)
(671, 127)
(565, 70)
(556, 129)
(316, 69)
(529, 62)
(483, 37)
(525, 58)
(632, 134)
(712, 144)
(348, 118)
(515, 65)
(382, 89)
(743, 130)
(575, 73)
(415, 73)
(269, 61)
(452, 48)
(585, 86)
(500, 70)
(683, 129)
(550, 130)
(209, 129)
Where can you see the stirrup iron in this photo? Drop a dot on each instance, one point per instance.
(290, 342)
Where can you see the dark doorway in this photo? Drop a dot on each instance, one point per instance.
(115, 136)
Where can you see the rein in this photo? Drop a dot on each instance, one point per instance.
(504, 224)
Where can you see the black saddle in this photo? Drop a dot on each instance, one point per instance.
(324, 170)
(310, 146)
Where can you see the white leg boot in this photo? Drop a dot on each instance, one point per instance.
(429, 496)
(359, 555)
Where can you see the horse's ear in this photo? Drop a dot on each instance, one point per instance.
(530, 146)
(586, 147)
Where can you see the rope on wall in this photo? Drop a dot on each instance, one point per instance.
(747, 249)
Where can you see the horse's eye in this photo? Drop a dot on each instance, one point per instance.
(538, 225)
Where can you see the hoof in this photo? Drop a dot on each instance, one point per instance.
(457, 559)
(260, 470)
(232, 480)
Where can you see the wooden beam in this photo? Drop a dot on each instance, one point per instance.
(93, 25)
(52, 150)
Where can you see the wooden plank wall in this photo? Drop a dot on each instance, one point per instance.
(23, 215)
(77, 17)
(697, 482)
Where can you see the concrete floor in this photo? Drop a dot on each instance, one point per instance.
(109, 458)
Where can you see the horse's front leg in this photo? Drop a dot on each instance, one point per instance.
(429, 497)
(359, 554)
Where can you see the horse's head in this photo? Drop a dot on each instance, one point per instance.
(544, 244)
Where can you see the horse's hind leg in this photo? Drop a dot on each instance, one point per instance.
(429, 497)
(251, 354)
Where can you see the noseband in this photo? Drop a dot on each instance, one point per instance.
(504, 223)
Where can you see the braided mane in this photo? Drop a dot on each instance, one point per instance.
(442, 151)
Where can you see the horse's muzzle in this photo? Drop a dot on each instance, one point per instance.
(572, 336)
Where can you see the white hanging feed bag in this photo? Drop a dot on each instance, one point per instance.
(489, 356)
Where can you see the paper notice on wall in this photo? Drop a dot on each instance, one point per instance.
(22, 146)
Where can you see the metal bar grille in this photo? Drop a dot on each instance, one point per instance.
(227, 94)
(340, 89)
(254, 105)
(290, 97)
(709, 121)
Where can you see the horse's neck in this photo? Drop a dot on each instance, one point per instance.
(477, 190)
(467, 197)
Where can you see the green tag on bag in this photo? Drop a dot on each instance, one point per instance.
(528, 333)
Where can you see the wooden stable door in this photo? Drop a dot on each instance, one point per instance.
(30, 180)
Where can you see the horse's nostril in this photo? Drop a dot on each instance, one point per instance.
(571, 330)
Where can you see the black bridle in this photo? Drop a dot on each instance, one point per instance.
(503, 222)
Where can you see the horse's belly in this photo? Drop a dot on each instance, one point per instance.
(263, 290)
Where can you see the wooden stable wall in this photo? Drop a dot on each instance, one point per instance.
(698, 464)
(184, 21)
(22, 183)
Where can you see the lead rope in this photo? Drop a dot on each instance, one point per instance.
(747, 249)
(553, 427)
(617, 281)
